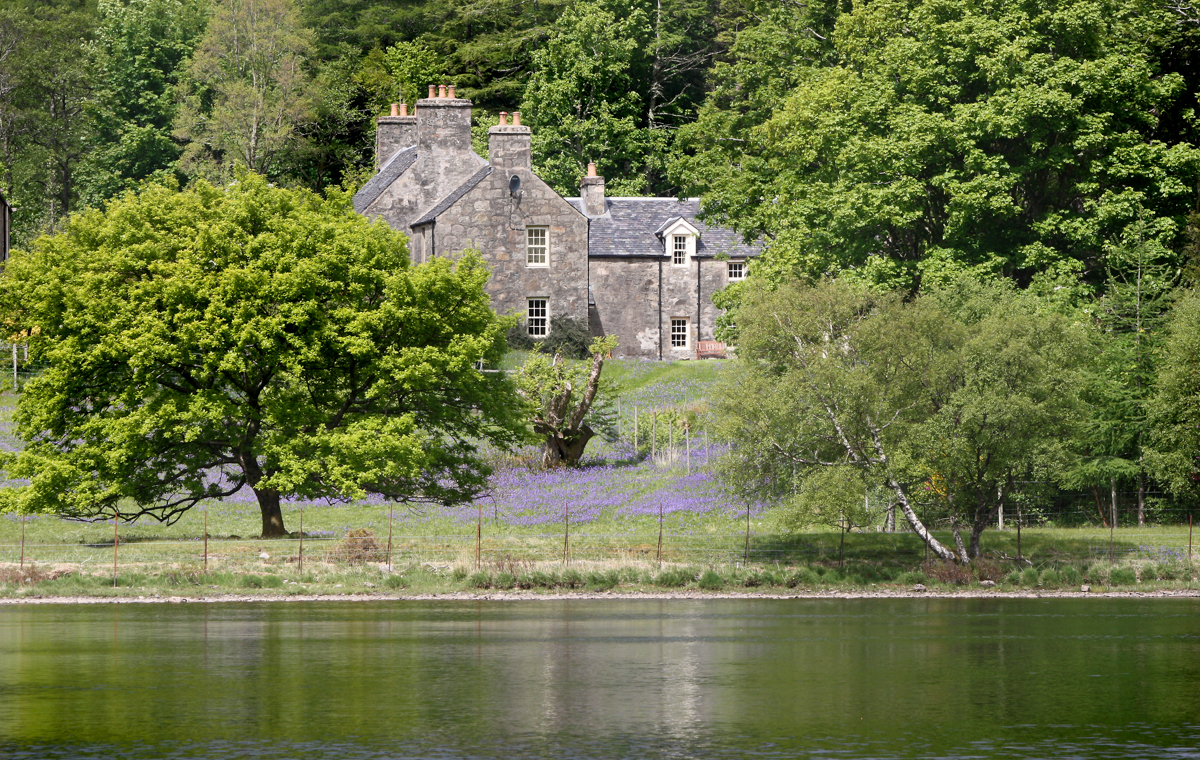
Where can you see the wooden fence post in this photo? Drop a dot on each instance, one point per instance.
(300, 556)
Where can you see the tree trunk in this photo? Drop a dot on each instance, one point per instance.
(272, 516)
(559, 450)
(918, 527)
(963, 557)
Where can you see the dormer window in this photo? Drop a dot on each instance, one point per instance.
(679, 250)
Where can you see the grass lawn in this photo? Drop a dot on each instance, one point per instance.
(613, 505)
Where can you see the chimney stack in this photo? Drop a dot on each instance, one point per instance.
(509, 144)
(591, 193)
(399, 130)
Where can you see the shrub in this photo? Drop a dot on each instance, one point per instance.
(831, 576)
(673, 578)
(395, 581)
(1013, 578)
(630, 575)
(518, 338)
(756, 578)
(1122, 576)
(804, 576)
(1029, 577)
(30, 575)
(912, 577)
(568, 337)
(710, 580)
(505, 580)
(359, 546)
(1071, 576)
(536, 579)
(948, 572)
(1098, 573)
(459, 574)
(985, 569)
(479, 579)
(571, 578)
(603, 581)
(251, 581)
(1050, 578)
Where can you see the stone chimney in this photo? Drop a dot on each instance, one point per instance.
(399, 130)
(591, 193)
(444, 127)
(509, 144)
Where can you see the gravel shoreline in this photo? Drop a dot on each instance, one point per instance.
(519, 596)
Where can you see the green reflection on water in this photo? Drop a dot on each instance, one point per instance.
(621, 678)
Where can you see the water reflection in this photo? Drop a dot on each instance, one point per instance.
(589, 679)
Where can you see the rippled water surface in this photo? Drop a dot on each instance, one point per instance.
(924, 678)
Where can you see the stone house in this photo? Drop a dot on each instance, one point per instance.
(643, 269)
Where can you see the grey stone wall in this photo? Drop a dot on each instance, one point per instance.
(494, 222)
(627, 304)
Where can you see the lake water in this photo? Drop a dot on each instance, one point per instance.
(755, 678)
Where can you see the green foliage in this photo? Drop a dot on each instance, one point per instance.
(911, 141)
(200, 341)
(1122, 576)
(1174, 449)
(581, 101)
(246, 89)
(711, 580)
(944, 400)
(136, 57)
(561, 398)
(569, 338)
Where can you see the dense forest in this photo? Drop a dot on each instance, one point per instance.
(901, 145)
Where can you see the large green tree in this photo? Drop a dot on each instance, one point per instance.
(136, 57)
(1173, 452)
(246, 91)
(911, 139)
(199, 342)
(945, 401)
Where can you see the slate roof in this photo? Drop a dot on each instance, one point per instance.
(387, 174)
(629, 227)
(453, 197)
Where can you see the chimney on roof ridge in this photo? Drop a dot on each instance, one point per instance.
(444, 126)
(393, 132)
(591, 193)
(509, 144)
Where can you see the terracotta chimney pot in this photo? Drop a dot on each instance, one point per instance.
(395, 109)
(404, 109)
(591, 169)
(441, 90)
(433, 90)
(516, 118)
(452, 91)
(504, 118)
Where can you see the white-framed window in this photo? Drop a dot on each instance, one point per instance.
(537, 317)
(737, 271)
(537, 247)
(679, 250)
(679, 333)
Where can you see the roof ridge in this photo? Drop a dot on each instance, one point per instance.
(453, 197)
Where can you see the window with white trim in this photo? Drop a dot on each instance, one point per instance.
(679, 250)
(679, 333)
(537, 247)
(737, 271)
(537, 317)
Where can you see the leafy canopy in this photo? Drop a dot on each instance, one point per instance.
(196, 342)
(910, 140)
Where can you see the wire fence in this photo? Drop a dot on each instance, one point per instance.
(460, 550)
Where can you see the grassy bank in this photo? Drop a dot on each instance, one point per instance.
(636, 523)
